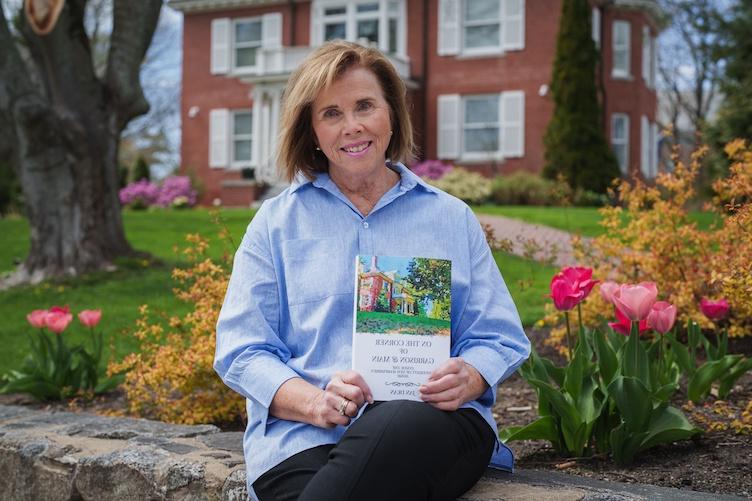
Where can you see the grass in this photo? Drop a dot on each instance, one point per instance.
(528, 284)
(581, 220)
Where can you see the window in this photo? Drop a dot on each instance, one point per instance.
(480, 125)
(621, 49)
(596, 27)
(620, 139)
(242, 134)
(246, 39)
(379, 22)
(648, 57)
(481, 24)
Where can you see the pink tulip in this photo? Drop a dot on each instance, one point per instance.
(608, 289)
(36, 318)
(714, 310)
(624, 325)
(57, 321)
(581, 276)
(90, 318)
(635, 301)
(565, 293)
(662, 316)
(59, 309)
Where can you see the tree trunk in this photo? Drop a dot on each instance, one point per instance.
(67, 126)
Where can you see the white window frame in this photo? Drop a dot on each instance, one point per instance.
(617, 72)
(480, 155)
(621, 141)
(234, 46)
(232, 137)
(648, 57)
(351, 17)
(485, 50)
(595, 25)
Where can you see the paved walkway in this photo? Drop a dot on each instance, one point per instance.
(543, 242)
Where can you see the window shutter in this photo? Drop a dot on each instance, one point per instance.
(448, 137)
(219, 139)
(220, 46)
(271, 30)
(596, 26)
(655, 141)
(653, 60)
(512, 120)
(645, 146)
(449, 27)
(513, 24)
(646, 51)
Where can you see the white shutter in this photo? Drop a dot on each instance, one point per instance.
(512, 121)
(645, 146)
(448, 125)
(220, 46)
(655, 139)
(449, 27)
(596, 27)
(646, 51)
(219, 138)
(271, 30)
(513, 24)
(653, 60)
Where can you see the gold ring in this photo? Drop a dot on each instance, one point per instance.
(343, 406)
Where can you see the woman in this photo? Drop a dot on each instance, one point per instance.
(285, 331)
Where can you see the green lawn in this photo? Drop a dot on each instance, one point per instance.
(528, 282)
(581, 220)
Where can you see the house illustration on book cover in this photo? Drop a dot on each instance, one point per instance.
(376, 285)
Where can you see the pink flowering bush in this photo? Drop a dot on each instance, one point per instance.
(53, 369)
(174, 191)
(431, 169)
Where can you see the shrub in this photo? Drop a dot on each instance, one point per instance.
(522, 188)
(431, 169)
(141, 170)
(171, 377)
(176, 191)
(468, 186)
(650, 236)
(139, 195)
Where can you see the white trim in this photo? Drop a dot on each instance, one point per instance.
(234, 44)
(448, 121)
(621, 141)
(619, 72)
(595, 24)
(448, 30)
(218, 133)
(507, 127)
(234, 163)
(508, 20)
(219, 49)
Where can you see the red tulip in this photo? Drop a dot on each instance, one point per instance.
(565, 293)
(714, 310)
(581, 276)
(623, 325)
(59, 309)
(662, 316)
(608, 289)
(36, 318)
(635, 301)
(57, 321)
(90, 318)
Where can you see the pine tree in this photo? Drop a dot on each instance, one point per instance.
(574, 142)
(141, 170)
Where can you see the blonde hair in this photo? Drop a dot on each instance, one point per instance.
(296, 150)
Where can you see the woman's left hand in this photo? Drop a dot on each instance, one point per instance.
(452, 384)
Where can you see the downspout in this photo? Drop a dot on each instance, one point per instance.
(424, 118)
(602, 63)
(293, 22)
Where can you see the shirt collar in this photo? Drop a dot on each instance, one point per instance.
(408, 179)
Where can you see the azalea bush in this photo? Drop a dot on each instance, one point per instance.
(431, 169)
(650, 236)
(171, 377)
(469, 187)
(614, 393)
(54, 370)
(174, 191)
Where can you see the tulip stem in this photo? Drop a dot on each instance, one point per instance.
(579, 317)
(569, 335)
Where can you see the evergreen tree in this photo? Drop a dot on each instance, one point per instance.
(574, 142)
(141, 170)
(735, 114)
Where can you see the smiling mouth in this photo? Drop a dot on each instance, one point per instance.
(357, 148)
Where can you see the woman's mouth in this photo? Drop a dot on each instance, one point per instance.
(356, 149)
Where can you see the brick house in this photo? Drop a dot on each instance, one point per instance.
(477, 73)
(375, 283)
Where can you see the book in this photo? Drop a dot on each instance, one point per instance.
(401, 325)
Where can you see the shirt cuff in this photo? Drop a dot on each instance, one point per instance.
(263, 381)
(490, 365)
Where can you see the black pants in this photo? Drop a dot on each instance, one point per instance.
(398, 450)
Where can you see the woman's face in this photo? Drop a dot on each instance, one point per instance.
(352, 125)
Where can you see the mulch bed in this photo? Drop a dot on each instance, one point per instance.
(718, 462)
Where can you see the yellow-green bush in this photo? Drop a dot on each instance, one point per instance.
(469, 187)
(171, 377)
(650, 237)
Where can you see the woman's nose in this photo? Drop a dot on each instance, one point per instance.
(352, 124)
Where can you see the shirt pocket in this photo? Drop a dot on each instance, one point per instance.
(314, 269)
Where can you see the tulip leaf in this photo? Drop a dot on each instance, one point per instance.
(728, 379)
(668, 424)
(681, 356)
(625, 444)
(700, 383)
(607, 361)
(555, 373)
(633, 401)
(543, 428)
(560, 402)
(634, 360)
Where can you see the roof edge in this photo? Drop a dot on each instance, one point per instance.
(211, 5)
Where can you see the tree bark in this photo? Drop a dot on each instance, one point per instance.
(67, 124)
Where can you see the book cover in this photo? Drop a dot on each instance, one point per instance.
(402, 327)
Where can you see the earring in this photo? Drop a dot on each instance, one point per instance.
(318, 149)
(391, 132)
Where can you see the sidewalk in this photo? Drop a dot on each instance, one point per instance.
(545, 237)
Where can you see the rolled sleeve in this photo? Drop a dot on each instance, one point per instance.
(250, 357)
(491, 337)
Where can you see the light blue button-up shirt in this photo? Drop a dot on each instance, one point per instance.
(289, 305)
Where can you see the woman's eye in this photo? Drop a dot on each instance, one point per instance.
(365, 105)
(331, 113)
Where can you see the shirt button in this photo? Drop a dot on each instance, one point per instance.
(365, 224)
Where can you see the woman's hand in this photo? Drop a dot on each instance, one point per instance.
(341, 400)
(452, 384)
